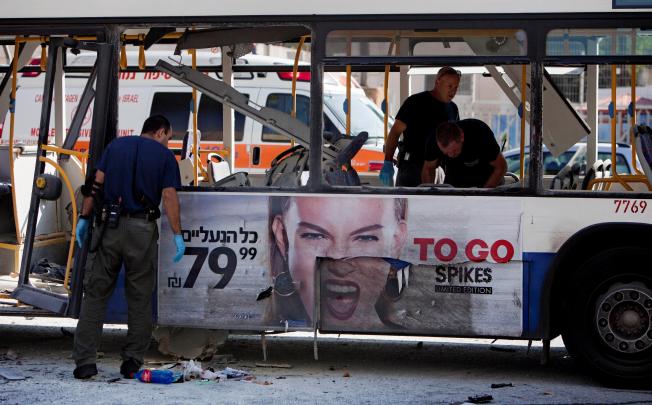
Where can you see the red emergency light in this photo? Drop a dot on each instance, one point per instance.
(301, 76)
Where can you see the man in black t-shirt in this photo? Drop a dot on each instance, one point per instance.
(468, 153)
(417, 119)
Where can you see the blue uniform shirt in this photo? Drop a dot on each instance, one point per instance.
(155, 169)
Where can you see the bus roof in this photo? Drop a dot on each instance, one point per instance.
(65, 9)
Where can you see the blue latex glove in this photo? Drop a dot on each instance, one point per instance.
(387, 173)
(181, 247)
(82, 231)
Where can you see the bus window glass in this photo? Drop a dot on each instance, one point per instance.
(176, 108)
(444, 42)
(209, 121)
(604, 42)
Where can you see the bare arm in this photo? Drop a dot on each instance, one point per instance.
(88, 203)
(171, 204)
(429, 171)
(500, 168)
(392, 139)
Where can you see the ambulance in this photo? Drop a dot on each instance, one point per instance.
(142, 94)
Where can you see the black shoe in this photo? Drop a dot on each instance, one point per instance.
(86, 371)
(129, 367)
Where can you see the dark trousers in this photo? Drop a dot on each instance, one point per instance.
(409, 173)
(134, 243)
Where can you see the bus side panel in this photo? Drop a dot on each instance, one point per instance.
(449, 265)
(536, 267)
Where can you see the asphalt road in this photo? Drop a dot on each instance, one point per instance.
(350, 369)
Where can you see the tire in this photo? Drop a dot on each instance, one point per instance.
(608, 317)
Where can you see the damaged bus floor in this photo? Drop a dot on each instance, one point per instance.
(350, 369)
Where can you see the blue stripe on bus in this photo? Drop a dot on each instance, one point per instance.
(535, 268)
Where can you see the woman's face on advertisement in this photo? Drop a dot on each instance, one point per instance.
(336, 228)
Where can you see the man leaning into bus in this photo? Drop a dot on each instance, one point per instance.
(133, 175)
(468, 153)
(417, 118)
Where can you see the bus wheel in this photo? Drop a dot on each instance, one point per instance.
(608, 325)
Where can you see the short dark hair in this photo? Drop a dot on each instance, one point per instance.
(447, 70)
(154, 123)
(448, 132)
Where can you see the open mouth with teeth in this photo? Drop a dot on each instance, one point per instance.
(342, 298)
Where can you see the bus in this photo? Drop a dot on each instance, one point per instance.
(314, 248)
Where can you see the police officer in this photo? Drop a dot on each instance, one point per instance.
(417, 119)
(133, 175)
(468, 152)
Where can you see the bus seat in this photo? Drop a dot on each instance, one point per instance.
(592, 173)
(186, 170)
(217, 167)
(643, 139)
(287, 168)
(606, 168)
(567, 178)
(239, 179)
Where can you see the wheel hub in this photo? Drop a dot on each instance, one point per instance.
(623, 318)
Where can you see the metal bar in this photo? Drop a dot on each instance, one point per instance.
(78, 119)
(535, 48)
(71, 192)
(39, 167)
(426, 60)
(100, 106)
(317, 53)
(597, 60)
(216, 89)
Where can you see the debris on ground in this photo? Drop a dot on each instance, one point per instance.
(192, 370)
(481, 399)
(273, 365)
(346, 374)
(501, 385)
(189, 343)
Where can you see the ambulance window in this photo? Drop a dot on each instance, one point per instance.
(209, 121)
(283, 102)
(176, 108)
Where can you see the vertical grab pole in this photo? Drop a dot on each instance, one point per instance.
(522, 112)
(348, 99)
(386, 91)
(633, 124)
(12, 112)
(348, 90)
(195, 146)
(295, 72)
(614, 114)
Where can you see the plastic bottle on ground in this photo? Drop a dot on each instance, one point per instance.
(156, 376)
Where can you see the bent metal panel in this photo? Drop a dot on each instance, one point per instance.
(450, 265)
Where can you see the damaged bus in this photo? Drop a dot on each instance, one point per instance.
(316, 246)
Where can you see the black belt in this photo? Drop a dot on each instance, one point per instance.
(140, 215)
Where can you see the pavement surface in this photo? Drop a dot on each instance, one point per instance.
(351, 369)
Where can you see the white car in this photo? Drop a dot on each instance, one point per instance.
(552, 165)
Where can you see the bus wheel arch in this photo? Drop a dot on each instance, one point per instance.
(607, 326)
(577, 250)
